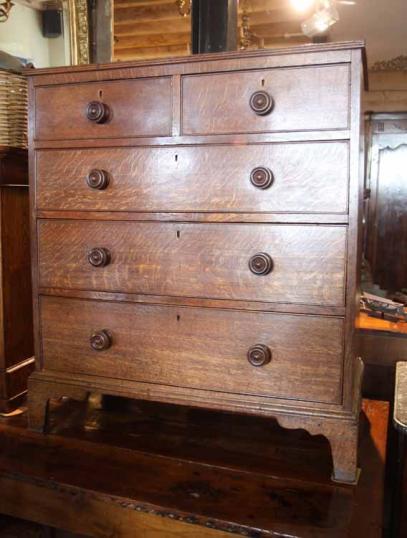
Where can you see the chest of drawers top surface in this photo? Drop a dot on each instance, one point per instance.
(306, 88)
(196, 229)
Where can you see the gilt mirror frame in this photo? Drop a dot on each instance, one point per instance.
(78, 22)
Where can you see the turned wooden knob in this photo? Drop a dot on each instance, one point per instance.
(259, 355)
(97, 112)
(97, 179)
(261, 103)
(99, 257)
(100, 340)
(261, 177)
(261, 264)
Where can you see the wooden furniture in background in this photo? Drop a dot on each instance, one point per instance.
(16, 331)
(399, 490)
(386, 230)
(185, 477)
(197, 231)
(381, 344)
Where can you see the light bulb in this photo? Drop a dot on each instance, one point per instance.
(320, 21)
(302, 5)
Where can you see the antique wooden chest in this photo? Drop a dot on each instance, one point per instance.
(196, 229)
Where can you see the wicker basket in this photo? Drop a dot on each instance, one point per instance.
(13, 110)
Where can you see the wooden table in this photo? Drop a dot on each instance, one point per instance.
(382, 344)
(160, 471)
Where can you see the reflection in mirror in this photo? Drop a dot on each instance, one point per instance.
(162, 28)
(46, 34)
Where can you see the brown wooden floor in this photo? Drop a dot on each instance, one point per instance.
(164, 471)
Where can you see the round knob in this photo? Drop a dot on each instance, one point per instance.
(261, 177)
(100, 340)
(261, 264)
(99, 257)
(97, 179)
(97, 112)
(261, 103)
(259, 355)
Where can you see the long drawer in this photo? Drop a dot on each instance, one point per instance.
(298, 177)
(288, 99)
(265, 354)
(140, 107)
(278, 263)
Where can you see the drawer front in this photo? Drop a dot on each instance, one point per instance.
(309, 98)
(282, 263)
(195, 347)
(298, 177)
(134, 108)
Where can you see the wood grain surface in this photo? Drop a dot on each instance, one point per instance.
(197, 260)
(138, 108)
(308, 178)
(196, 347)
(305, 99)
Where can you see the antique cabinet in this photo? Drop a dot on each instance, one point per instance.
(16, 331)
(196, 231)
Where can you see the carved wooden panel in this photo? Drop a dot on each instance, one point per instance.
(195, 347)
(304, 99)
(305, 177)
(197, 260)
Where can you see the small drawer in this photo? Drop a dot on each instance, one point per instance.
(264, 354)
(302, 264)
(289, 99)
(127, 108)
(309, 177)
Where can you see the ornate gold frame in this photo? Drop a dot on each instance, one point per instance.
(78, 19)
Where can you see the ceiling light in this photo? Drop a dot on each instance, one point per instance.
(326, 16)
(302, 5)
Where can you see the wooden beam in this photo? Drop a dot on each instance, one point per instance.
(154, 40)
(276, 29)
(151, 52)
(146, 14)
(123, 4)
(147, 28)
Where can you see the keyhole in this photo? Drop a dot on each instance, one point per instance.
(176, 157)
(178, 317)
(262, 81)
(178, 234)
(100, 94)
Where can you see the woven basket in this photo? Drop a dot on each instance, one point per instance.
(13, 110)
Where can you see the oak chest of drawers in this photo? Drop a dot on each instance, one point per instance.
(196, 229)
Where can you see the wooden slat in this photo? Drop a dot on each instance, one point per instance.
(146, 13)
(151, 52)
(154, 40)
(123, 4)
(146, 28)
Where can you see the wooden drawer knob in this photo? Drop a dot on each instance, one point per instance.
(99, 257)
(97, 112)
(261, 264)
(259, 355)
(100, 340)
(261, 177)
(261, 103)
(97, 179)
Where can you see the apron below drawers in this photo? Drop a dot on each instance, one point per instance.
(264, 354)
(303, 264)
